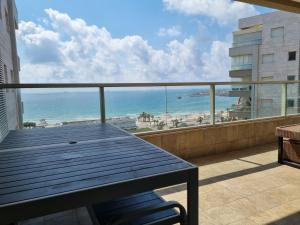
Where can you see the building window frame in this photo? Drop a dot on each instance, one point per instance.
(292, 56)
(268, 61)
(290, 103)
(7, 20)
(277, 33)
(291, 77)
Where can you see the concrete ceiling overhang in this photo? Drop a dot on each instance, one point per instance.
(285, 5)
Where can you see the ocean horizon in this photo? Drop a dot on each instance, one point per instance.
(66, 106)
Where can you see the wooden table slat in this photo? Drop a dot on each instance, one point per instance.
(72, 150)
(49, 136)
(77, 169)
(89, 183)
(77, 162)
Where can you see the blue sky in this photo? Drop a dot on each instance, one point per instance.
(168, 29)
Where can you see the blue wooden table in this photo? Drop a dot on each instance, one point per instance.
(44, 171)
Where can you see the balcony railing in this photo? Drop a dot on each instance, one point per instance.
(211, 99)
(241, 67)
(245, 43)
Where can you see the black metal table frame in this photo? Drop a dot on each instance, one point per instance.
(281, 159)
(52, 204)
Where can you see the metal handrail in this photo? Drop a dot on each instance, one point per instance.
(98, 85)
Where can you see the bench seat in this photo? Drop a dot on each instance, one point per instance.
(140, 209)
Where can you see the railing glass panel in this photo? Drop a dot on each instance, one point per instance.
(136, 109)
(241, 67)
(188, 106)
(232, 103)
(56, 107)
(269, 99)
(293, 103)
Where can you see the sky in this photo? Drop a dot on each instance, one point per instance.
(127, 40)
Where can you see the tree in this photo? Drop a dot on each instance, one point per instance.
(175, 123)
(161, 125)
(29, 124)
(142, 116)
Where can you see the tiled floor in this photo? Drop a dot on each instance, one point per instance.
(240, 188)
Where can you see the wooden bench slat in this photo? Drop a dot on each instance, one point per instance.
(108, 212)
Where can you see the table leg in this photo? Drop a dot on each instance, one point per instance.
(280, 150)
(193, 198)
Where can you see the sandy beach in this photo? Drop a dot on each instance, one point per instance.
(148, 122)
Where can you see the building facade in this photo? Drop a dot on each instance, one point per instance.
(10, 103)
(265, 48)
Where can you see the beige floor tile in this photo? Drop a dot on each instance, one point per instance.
(205, 219)
(244, 222)
(243, 207)
(266, 200)
(285, 214)
(217, 197)
(213, 186)
(223, 215)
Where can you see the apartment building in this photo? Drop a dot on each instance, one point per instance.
(10, 103)
(265, 48)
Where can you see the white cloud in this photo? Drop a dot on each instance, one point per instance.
(170, 32)
(222, 11)
(69, 50)
(215, 61)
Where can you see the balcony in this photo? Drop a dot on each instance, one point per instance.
(240, 181)
(241, 67)
(241, 73)
(240, 187)
(240, 92)
(246, 43)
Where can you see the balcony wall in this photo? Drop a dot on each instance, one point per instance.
(207, 140)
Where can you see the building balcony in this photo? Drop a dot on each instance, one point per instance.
(240, 72)
(246, 43)
(241, 67)
(240, 92)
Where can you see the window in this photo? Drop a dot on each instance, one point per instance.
(242, 60)
(277, 33)
(267, 78)
(247, 39)
(5, 74)
(291, 77)
(12, 77)
(290, 103)
(268, 58)
(0, 10)
(7, 20)
(292, 56)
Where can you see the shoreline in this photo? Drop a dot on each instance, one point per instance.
(144, 120)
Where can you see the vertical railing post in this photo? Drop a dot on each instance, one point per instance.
(166, 103)
(212, 94)
(284, 99)
(102, 105)
(254, 108)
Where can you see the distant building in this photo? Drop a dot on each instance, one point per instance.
(10, 103)
(265, 48)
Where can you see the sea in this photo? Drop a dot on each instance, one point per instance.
(71, 105)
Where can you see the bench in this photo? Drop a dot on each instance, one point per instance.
(140, 209)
